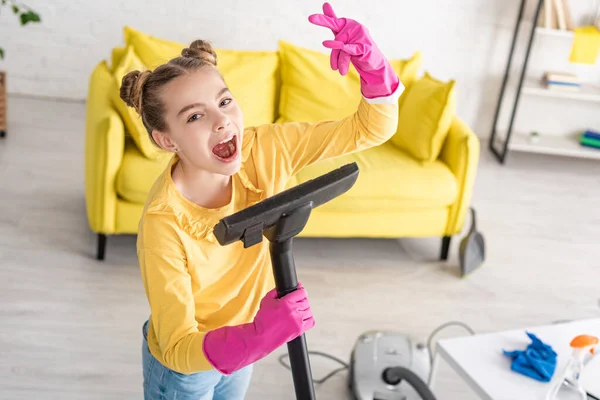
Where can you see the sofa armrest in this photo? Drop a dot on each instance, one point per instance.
(104, 149)
(460, 153)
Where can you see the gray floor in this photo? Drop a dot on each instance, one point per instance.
(70, 326)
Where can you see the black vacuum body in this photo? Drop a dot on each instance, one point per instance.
(279, 219)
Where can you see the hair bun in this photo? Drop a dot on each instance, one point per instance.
(202, 50)
(132, 85)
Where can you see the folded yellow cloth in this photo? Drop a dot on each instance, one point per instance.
(586, 45)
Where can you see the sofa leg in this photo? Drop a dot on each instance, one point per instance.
(445, 247)
(101, 246)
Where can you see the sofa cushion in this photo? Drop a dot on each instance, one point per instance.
(116, 55)
(138, 173)
(256, 96)
(152, 50)
(424, 117)
(128, 62)
(311, 91)
(389, 180)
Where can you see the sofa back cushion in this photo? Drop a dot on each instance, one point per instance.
(311, 91)
(129, 61)
(252, 76)
(425, 114)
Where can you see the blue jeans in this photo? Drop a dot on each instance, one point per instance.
(162, 383)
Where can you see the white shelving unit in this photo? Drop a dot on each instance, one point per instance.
(567, 145)
(554, 32)
(548, 143)
(552, 145)
(587, 92)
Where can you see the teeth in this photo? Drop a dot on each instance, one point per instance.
(226, 140)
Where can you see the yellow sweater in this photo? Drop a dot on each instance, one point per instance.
(195, 285)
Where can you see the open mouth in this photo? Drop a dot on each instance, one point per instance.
(226, 150)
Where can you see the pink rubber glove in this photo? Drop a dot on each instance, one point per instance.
(352, 43)
(277, 322)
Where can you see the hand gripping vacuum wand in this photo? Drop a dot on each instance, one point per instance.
(280, 218)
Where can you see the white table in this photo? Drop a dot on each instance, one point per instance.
(479, 360)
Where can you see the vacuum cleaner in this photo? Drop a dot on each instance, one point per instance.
(388, 365)
(279, 219)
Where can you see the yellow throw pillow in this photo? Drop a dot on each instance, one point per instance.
(424, 118)
(311, 91)
(407, 72)
(408, 69)
(117, 54)
(151, 50)
(133, 122)
(252, 76)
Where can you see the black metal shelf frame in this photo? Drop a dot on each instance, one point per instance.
(501, 154)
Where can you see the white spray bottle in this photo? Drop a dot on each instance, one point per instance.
(569, 387)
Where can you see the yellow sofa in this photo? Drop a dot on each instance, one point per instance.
(417, 184)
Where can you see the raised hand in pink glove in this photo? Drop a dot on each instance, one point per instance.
(277, 322)
(353, 43)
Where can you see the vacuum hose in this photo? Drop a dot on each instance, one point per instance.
(394, 375)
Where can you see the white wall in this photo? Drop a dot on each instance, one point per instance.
(467, 40)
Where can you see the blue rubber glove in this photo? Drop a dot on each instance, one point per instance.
(537, 361)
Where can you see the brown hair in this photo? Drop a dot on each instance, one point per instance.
(141, 90)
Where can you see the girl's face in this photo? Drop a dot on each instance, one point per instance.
(205, 122)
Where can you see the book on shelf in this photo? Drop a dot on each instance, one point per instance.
(561, 81)
(562, 77)
(590, 138)
(555, 14)
(592, 134)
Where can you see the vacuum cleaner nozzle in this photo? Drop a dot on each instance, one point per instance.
(249, 224)
(280, 218)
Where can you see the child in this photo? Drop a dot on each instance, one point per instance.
(214, 311)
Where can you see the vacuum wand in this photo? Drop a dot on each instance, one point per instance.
(284, 272)
(280, 218)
